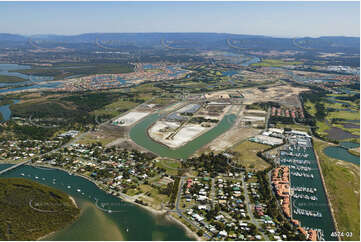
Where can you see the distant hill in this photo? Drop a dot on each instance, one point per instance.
(193, 41)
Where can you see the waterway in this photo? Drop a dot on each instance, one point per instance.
(125, 222)
(324, 223)
(31, 83)
(340, 152)
(139, 135)
(251, 61)
(6, 112)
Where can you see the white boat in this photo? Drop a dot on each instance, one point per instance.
(78, 190)
(36, 177)
(22, 174)
(68, 187)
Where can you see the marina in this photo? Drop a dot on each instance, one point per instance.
(309, 201)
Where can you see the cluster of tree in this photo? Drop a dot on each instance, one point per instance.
(273, 210)
(211, 163)
(199, 120)
(19, 199)
(174, 192)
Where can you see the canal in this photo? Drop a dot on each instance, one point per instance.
(139, 135)
(125, 222)
(308, 196)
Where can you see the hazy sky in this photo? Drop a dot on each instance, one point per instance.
(288, 19)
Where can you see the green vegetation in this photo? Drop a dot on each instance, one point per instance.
(30, 210)
(10, 79)
(330, 111)
(65, 70)
(246, 154)
(343, 185)
(276, 63)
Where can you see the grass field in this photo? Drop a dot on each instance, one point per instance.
(10, 79)
(276, 63)
(153, 197)
(333, 113)
(170, 165)
(247, 155)
(343, 185)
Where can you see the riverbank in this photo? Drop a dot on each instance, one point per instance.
(51, 233)
(354, 151)
(189, 232)
(130, 200)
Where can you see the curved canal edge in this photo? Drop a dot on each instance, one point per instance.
(139, 135)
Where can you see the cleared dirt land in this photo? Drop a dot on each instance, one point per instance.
(285, 95)
(233, 136)
(130, 118)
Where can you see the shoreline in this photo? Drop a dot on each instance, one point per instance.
(53, 232)
(151, 210)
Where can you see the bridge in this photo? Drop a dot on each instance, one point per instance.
(13, 167)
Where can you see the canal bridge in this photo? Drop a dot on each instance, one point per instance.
(13, 167)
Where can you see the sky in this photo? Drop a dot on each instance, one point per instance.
(281, 19)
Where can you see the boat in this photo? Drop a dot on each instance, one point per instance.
(78, 190)
(36, 177)
(22, 174)
(68, 187)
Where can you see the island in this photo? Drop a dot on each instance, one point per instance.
(30, 210)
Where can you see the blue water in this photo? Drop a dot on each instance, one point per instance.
(4, 70)
(142, 225)
(321, 205)
(341, 153)
(251, 61)
(6, 112)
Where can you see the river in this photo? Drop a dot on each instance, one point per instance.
(31, 83)
(139, 135)
(125, 222)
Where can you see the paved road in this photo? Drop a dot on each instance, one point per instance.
(248, 202)
(40, 155)
(267, 118)
(180, 211)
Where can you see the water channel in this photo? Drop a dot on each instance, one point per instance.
(139, 135)
(299, 202)
(30, 83)
(125, 222)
